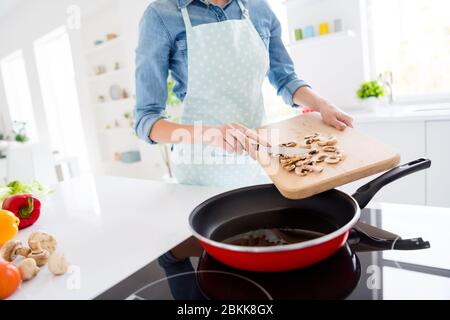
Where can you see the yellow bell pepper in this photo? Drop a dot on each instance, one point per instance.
(9, 226)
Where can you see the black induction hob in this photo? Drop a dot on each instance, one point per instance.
(187, 273)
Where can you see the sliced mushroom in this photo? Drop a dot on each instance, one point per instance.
(309, 163)
(301, 171)
(289, 144)
(304, 157)
(291, 167)
(289, 161)
(340, 155)
(329, 149)
(317, 169)
(313, 151)
(308, 168)
(333, 159)
(320, 158)
(329, 141)
(305, 145)
(312, 136)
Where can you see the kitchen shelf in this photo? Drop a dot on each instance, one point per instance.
(108, 74)
(302, 2)
(114, 103)
(318, 39)
(129, 131)
(106, 45)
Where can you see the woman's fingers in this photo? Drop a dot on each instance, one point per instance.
(338, 124)
(250, 145)
(240, 138)
(346, 119)
(230, 139)
(237, 139)
(228, 146)
(252, 134)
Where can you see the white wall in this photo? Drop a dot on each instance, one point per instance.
(31, 20)
(334, 67)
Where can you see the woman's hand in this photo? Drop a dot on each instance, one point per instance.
(331, 114)
(334, 117)
(235, 138)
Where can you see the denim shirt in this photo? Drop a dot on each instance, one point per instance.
(162, 47)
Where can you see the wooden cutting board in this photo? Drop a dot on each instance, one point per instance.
(364, 156)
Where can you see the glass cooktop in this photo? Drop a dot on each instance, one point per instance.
(186, 272)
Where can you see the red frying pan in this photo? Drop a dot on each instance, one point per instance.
(230, 226)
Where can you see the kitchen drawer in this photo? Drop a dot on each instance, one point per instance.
(408, 138)
(438, 176)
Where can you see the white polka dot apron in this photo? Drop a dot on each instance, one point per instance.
(227, 64)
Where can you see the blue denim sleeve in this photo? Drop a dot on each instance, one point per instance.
(152, 68)
(282, 71)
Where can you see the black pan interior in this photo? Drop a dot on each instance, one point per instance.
(263, 207)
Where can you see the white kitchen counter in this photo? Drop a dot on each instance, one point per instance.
(109, 228)
(403, 113)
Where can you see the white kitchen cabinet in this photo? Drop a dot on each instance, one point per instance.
(408, 138)
(438, 176)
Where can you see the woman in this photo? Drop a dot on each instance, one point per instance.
(218, 52)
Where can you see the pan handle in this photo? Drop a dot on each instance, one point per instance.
(364, 194)
(360, 237)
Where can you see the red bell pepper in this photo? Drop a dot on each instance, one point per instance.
(26, 207)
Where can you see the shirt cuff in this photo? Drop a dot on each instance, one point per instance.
(145, 127)
(290, 88)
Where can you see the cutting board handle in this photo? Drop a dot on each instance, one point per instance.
(364, 194)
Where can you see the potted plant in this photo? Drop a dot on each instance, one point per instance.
(3, 145)
(19, 132)
(370, 94)
(173, 104)
(173, 112)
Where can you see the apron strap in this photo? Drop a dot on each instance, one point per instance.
(187, 20)
(243, 9)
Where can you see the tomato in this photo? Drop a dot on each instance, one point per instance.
(9, 226)
(10, 279)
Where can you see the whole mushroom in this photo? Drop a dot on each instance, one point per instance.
(40, 240)
(28, 269)
(58, 264)
(12, 249)
(41, 257)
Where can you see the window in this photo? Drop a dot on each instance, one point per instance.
(411, 39)
(57, 78)
(17, 92)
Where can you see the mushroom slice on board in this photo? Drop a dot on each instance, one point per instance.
(328, 141)
(329, 149)
(289, 144)
(320, 158)
(332, 159)
(301, 171)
